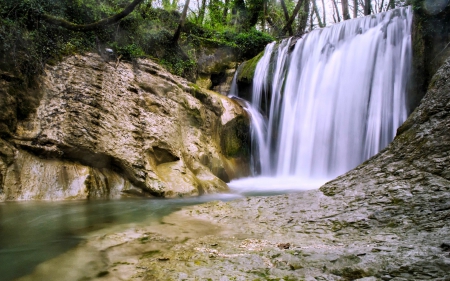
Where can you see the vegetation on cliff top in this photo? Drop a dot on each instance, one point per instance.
(36, 32)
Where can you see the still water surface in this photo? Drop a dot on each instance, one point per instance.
(33, 232)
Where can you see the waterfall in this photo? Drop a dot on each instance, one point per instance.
(331, 99)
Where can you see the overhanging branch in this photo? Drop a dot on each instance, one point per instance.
(91, 26)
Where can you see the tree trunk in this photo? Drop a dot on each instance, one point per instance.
(292, 18)
(286, 16)
(225, 12)
(367, 7)
(273, 25)
(380, 7)
(177, 34)
(303, 18)
(253, 12)
(263, 20)
(316, 11)
(355, 9)
(92, 26)
(201, 12)
(324, 13)
(239, 12)
(345, 12)
(391, 4)
(336, 10)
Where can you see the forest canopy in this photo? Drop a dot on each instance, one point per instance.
(38, 32)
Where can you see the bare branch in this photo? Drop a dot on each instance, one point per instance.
(92, 26)
(292, 18)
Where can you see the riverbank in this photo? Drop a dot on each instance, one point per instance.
(387, 219)
(303, 236)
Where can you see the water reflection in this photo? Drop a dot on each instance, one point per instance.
(33, 232)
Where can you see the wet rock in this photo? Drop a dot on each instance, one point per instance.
(445, 247)
(284, 245)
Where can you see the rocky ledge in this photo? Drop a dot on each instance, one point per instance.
(105, 129)
(388, 219)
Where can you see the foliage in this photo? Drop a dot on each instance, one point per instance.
(27, 43)
(248, 69)
(252, 42)
(245, 44)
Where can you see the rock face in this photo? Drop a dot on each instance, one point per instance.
(216, 67)
(388, 219)
(102, 130)
(430, 38)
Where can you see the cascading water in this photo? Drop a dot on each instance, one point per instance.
(332, 102)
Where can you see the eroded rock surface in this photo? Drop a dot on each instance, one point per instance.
(388, 219)
(103, 129)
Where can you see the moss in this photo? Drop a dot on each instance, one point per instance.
(151, 253)
(349, 273)
(248, 69)
(143, 239)
(397, 201)
(195, 88)
(235, 140)
(337, 225)
(121, 263)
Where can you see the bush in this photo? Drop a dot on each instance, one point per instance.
(251, 43)
(245, 44)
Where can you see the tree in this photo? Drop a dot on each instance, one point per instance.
(336, 10)
(367, 7)
(324, 13)
(391, 4)
(239, 13)
(201, 12)
(316, 11)
(286, 16)
(345, 12)
(215, 12)
(92, 26)
(303, 18)
(177, 34)
(355, 9)
(225, 12)
(293, 16)
(254, 8)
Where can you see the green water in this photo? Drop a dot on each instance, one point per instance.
(33, 232)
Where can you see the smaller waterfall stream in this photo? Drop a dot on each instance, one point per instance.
(328, 102)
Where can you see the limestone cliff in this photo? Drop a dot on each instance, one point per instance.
(104, 130)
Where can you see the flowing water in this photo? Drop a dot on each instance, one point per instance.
(327, 102)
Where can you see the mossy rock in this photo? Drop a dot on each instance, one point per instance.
(248, 68)
(235, 141)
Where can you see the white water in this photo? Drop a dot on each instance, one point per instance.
(331, 103)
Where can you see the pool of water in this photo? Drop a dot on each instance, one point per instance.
(263, 186)
(33, 232)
